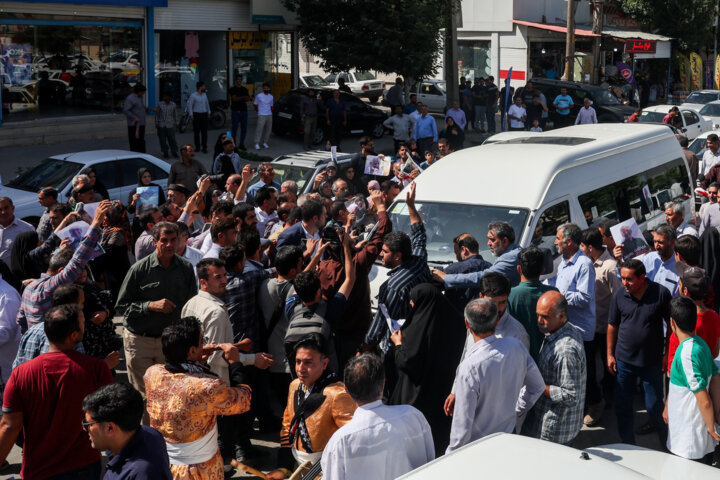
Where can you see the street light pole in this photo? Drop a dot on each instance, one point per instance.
(570, 41)
(715, 11)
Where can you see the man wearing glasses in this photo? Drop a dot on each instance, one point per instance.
(55, 442)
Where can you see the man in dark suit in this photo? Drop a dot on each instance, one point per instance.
(314, 216)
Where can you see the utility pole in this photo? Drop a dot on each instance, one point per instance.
(570, 41)
(450, 53)
(715, 24)
(598, 21)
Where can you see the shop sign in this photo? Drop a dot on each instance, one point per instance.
(248, 40)
(640, 46)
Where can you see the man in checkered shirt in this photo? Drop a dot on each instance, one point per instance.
(558, 414)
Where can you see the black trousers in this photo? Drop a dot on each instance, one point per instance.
(200, 127)
(335, 132)
(137, 143)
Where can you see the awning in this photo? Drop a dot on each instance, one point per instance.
(556, 28)
(625, 34)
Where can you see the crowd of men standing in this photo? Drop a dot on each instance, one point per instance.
(246, 309)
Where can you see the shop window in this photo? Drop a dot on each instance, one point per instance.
(640, 196)
(547, 225)
(53, 70)
(474, 59)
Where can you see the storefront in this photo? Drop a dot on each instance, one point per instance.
(474, 59)
(58, 59)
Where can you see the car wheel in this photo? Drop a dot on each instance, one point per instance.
(319, 136)
(373, 99)
(377, 130)
(217, 119)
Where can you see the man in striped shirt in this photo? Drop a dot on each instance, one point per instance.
(63, 269)
(407, 259)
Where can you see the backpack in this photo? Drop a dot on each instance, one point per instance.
(303, 322)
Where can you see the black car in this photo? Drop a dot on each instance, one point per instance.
(607, 106)
(361, 117)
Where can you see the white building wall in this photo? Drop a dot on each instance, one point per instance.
(548, 11)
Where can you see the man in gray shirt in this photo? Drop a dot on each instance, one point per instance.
(710, 217)
(309, 108)
(135, 111)
(186, 170)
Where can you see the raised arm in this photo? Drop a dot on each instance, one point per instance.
(347, 285)
(245, 177)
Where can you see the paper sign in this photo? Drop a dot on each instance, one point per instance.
(149, 198)
(628, 235)
(407, 168)
(375, 165)
(90, 208)
(333, 153)
(393, 325)
(75, 233)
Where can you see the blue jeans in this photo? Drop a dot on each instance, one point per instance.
(239, 118)
(652, 382)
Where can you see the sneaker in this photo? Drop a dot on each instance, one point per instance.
(594, 414)
(257, 147)
(265, 145)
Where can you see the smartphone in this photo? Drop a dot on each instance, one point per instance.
(228, 134)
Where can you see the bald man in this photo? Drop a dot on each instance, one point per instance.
(558, 414)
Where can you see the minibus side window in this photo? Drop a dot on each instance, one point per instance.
(641, 196)
(546, 228)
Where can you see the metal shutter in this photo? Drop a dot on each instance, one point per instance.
(212, 15)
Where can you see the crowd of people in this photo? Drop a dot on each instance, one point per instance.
(246, 309)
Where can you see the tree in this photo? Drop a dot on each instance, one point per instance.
(401, 36)
(689, 22)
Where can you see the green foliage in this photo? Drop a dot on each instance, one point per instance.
(388, 36)
(689, 22)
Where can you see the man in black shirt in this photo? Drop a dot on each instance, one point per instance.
(491, 103)
(534, 110)
(479, 96)
(239, 96)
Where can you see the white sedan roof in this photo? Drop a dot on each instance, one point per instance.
(92, 156)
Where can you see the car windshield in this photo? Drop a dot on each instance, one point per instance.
(51, 172)
(300, 175)
(445, 221)
(711, 110)
(603, 97)
(441, 86)
(315, 81)
(699, 97)
(698, 146)
(360, 76)
(651, 117)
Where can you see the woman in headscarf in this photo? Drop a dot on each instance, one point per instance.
(96, 183)
(144, 180)
(209, 199)
(100, 338)
(352, 178)
(117, 240)
(29, 257)
(427, 352)
(453, 133)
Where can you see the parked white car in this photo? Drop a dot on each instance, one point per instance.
(693, 123)
(429, 92)
(362, 84)
(117, 169)
(712, 111)
(123, 60)
(699, 98)
(313, 81)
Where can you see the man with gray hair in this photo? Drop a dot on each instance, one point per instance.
(381, 441)
(496, 383)
(290, 188)
(675, 217)
(660, 264)
(501, 241)
(558, 414)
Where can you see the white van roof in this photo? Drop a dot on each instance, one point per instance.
(517, 173)
(510, 456)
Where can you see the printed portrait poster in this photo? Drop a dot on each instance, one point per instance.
(375, 165)
(149, 198)
(628, 235)
(75, 232)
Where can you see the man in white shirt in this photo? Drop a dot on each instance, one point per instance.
(380, 442)
(675, 216)
(266, 210)
(222, 232)
(496, 383)
(402, 126)
(9, 328)
(263, 106)
(10, 228)
(517, 115)
(712, 154)
(192, 255)
(586, 114)
(198, 107)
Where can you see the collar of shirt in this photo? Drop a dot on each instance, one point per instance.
(602, 258)
(371, 405)
(572, 260)
(155, 261)
(211, 297)
(316, 235)
(14, 222)
(482, 343)
(116, 462)
(632, 297)
(560, 332)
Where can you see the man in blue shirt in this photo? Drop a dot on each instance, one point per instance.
(112, 420)
(563, 105)
(660, 264)
(425, 133)
(267, 175)
(501, 240)
(469, 260)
